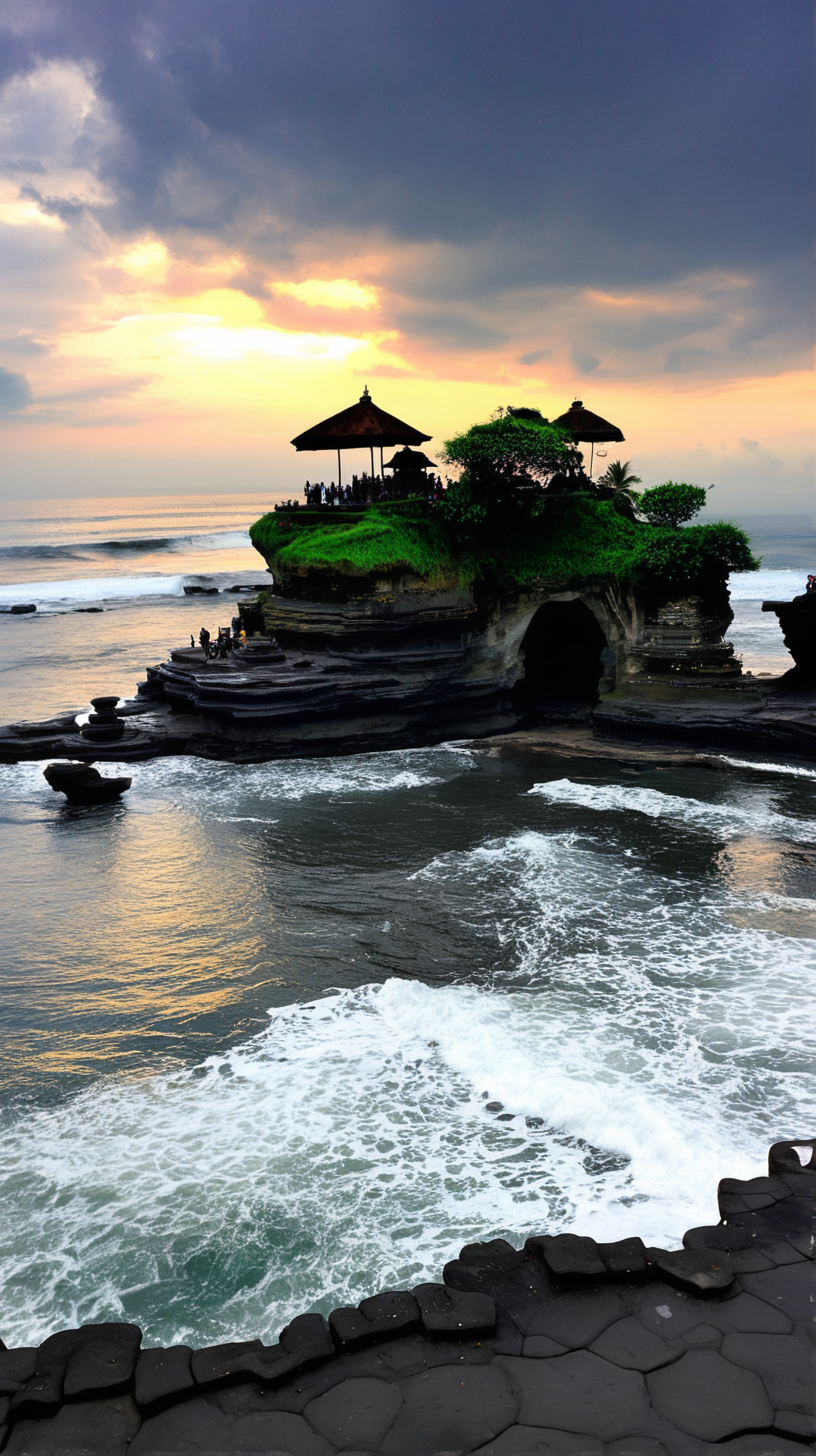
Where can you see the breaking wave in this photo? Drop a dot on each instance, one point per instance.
(721, 819)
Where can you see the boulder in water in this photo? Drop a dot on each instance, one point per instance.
(22, 609)
(81, 783)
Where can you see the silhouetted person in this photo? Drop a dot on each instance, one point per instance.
(204, 639)
(810, 588)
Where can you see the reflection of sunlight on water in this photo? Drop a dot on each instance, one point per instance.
(772, 887)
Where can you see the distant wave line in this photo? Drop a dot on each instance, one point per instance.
(68, 550)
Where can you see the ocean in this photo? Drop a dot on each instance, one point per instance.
(278, 1036)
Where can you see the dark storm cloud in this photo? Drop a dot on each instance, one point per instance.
(15, 392)
(626, 141)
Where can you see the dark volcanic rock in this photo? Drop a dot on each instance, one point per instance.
(94, 1426)
(446, 1311)
(578, 1318)
(161, 1374)
(451, 1409)
(16, 1366)
(83, 784)
(709, 1397)
(79, 1362)
(633, 1347)
(694, 1268)
(355, 1414)
(578, 1392)
(383, 1314)
(569, 1257)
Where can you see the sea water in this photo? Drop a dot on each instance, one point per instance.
(277, 1036)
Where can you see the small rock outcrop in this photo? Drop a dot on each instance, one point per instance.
(81, 783)
(103, 725)
(797, 619)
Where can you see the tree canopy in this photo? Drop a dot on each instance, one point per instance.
(673, 503)
(504, 459)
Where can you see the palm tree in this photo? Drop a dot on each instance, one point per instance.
(618, 476)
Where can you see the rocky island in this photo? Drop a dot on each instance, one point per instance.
(399, 613)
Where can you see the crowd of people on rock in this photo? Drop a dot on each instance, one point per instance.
(228, 640)
(364, 490)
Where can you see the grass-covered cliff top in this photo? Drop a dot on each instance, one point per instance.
(573, 539)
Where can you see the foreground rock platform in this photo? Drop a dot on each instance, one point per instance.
(566, 1347)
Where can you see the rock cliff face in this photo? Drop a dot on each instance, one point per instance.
(392, 660)
(798, 622)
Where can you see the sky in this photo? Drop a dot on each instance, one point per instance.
(219, 221)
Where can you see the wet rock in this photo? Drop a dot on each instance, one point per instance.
(307, 1338)
(704, 1336)
(447, 1311)
(383, 1314)
(22, 609)
(451, 1409)
(578, 1392)
(78, 1362)
(83, 784)
(105, 1360)
(786, 1364)
(162, 1374)
(628, 1344)
(78, 1430)
(695, 1269)
(355, 1414)
(767, 1445)
(534, 1441)
(16, 1366)
(536, 1347)
(625, 1259)
(709, 1397)
(200, 1426)
(749, 1315)
(786, 1290)
(569, 1257)
(576, 1319)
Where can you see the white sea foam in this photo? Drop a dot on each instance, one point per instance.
(766, 585)
(362, 773)
(788, 769)
(346, 1149)
(727, 819)
(648, 1048)
(91, 589)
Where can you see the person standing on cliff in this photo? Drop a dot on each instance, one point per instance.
(204, 639)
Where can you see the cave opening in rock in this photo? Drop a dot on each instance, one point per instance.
(561, 654)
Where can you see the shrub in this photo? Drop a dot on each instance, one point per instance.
(673, 503)
(695, 557)
(504, 461)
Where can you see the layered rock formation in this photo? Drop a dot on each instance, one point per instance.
(563, 1348)
(398, 660)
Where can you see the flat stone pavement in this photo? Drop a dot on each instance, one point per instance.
(565, 1348)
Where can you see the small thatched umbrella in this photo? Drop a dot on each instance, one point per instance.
(363, 423)
(589, 427)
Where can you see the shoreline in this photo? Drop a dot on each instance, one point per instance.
(554, 1348)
